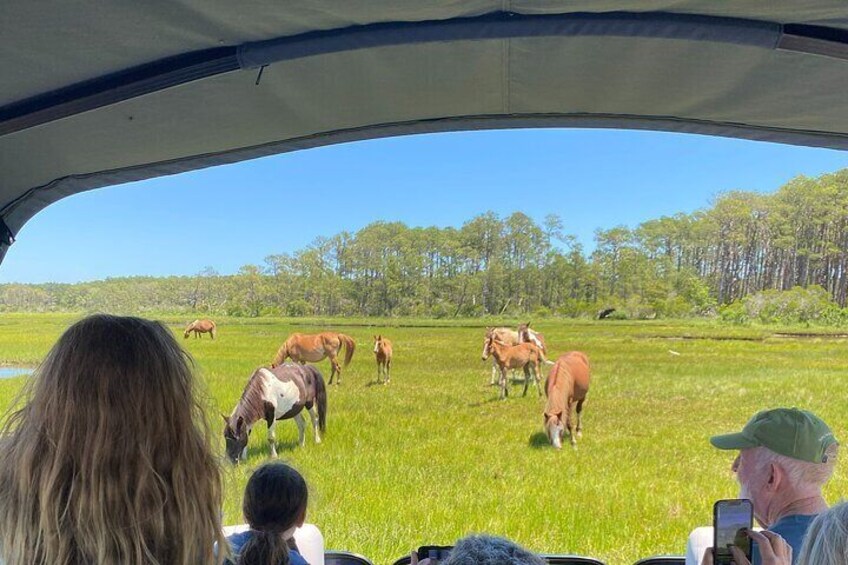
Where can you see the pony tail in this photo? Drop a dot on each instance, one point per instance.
(281, 355)
(350, 345)
(264, 548)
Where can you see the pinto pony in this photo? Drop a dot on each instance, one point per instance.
(520, 356)
(526, 335)
(383, 355)
(567, 384)
(275, 394)
(302, 348)
(201, 327)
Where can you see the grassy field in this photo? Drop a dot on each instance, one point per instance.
(435, 455)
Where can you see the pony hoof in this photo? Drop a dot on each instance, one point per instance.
(579, 433)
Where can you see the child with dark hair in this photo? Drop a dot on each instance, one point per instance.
(274, 506)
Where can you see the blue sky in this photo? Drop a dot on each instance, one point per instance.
(234, 215)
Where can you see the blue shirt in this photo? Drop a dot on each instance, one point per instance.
(792, 529)
(238, 540)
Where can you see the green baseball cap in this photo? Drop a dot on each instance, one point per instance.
(798, 434)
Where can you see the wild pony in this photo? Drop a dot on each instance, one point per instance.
(201, 327)
(567, 384)
(520, 356)
(383, 355)
(275, 394)
(312, 348)
(504, 335)
(526, 335)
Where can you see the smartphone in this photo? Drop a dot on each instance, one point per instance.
(434, 552)
(731, 519)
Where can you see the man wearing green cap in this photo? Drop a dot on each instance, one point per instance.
(785, 457)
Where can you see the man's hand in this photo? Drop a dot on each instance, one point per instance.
(773, 550)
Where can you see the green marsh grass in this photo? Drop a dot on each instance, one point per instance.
(434, 455)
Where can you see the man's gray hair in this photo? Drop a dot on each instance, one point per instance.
(801, 474)
(490, 550)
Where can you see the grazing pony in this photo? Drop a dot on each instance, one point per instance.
(201, 327)
(315, 347)
(567, 384)
(520, 356)
(275, 394)
(383, 354)
(504, 335)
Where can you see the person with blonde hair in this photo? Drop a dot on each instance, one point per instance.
(107, 459)
(827, 538)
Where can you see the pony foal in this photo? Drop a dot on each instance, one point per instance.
(383, 355)
(520, 356)
(504, 335)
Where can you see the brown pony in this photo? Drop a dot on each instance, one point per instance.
(520, 356)
(567, 384)
(201, 327)
(383, 354)
(504, 335)
(312, 348)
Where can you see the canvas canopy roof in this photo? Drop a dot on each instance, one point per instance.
(99, 93)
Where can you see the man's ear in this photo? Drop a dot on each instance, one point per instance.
(776, 476)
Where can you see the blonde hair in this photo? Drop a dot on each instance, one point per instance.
(826, 540)
(109, 458)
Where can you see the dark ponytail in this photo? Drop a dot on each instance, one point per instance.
(264, 548)
(274, 501)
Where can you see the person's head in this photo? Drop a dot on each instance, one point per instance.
(275, 500)
(826, 542)
(108, 458)
(785, 455)
(490, 550)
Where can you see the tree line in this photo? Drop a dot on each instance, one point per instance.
(694, 264)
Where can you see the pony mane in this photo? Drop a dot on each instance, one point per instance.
(559, 378)
(252, 401)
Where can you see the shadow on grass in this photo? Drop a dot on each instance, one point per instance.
(369, 384)
(539, 440)
(262, 451)
(492, 400)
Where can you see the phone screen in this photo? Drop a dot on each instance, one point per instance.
(731, 519)
(434, 552)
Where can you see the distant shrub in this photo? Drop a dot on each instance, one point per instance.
(572, 308)
(734, 313)
(798, 305)
(441, 310)
(541, 312)
(618, 315)
(298, 308)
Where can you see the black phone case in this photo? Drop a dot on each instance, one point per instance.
(731, 502)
